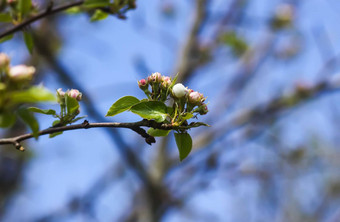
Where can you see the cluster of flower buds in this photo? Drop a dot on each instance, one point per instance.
(74, 93)
(163, 88)
(156, 86)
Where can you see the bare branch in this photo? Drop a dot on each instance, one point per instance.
(135, 126)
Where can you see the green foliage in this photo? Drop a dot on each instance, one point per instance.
(6, 38)
(24, 7)
(151, 110)
(96, 3)
(30, 120)
(122, 104)
(184, 144)
(7, 119)
(42, 111)
(32, 95)
(158, 132)
(99, 15)
(5, 17)
(28, 41)
(237, 45)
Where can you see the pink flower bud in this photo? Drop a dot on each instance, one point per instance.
(143, 84)
(155, 77)
(74, 93)
(60, 92)
(21, 72)
(203, 109)
(195, 97)
(166, 82)
(4, 60)
(179, 90)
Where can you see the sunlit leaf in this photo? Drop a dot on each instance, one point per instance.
(98, 15)
(32, 95)
(43, 111)
(122, 105)
(24, 6)
(151, 110)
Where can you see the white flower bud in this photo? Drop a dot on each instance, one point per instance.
(21, 72)
(179, 90)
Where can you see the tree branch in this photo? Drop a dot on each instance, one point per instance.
(135, 126)
(49, 11)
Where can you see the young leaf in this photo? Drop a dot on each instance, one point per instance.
(55, 134)
(32, 95)
(96, 3)
(30, 120)
(7, 119)
(28, 41)
(184, 144)
(24, 6)
(6, 38)
(122, 105)
(151, 110)
(98, 15)
(43, 111)
(5, 17)
(72, 104)
(158, 132)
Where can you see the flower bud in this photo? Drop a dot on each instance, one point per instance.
(155, 77)
(195, 97)
(4, 60)
(203, 109)
(60, 93)
(179, 90)
(143, 84)
(21, 72)
(166, 82)
(74, 93)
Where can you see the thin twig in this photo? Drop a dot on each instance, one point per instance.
(135, 126)
(40, 16)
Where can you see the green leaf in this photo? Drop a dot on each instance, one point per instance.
(187, 116)
(29, 41)
(43, 111)
(158, 132)
(96, 3)
(197, 124)
(174, 81)
(122, 105)
(55, 123)
(72, 104)
(30, 120)
(184, 144)
(78, 118)
(32, 95)
(5, 17)
(55, 134)
(98, 15)
(151, 110)
(73, 10)
(6, 38)
(24, 6)
(7, 119)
